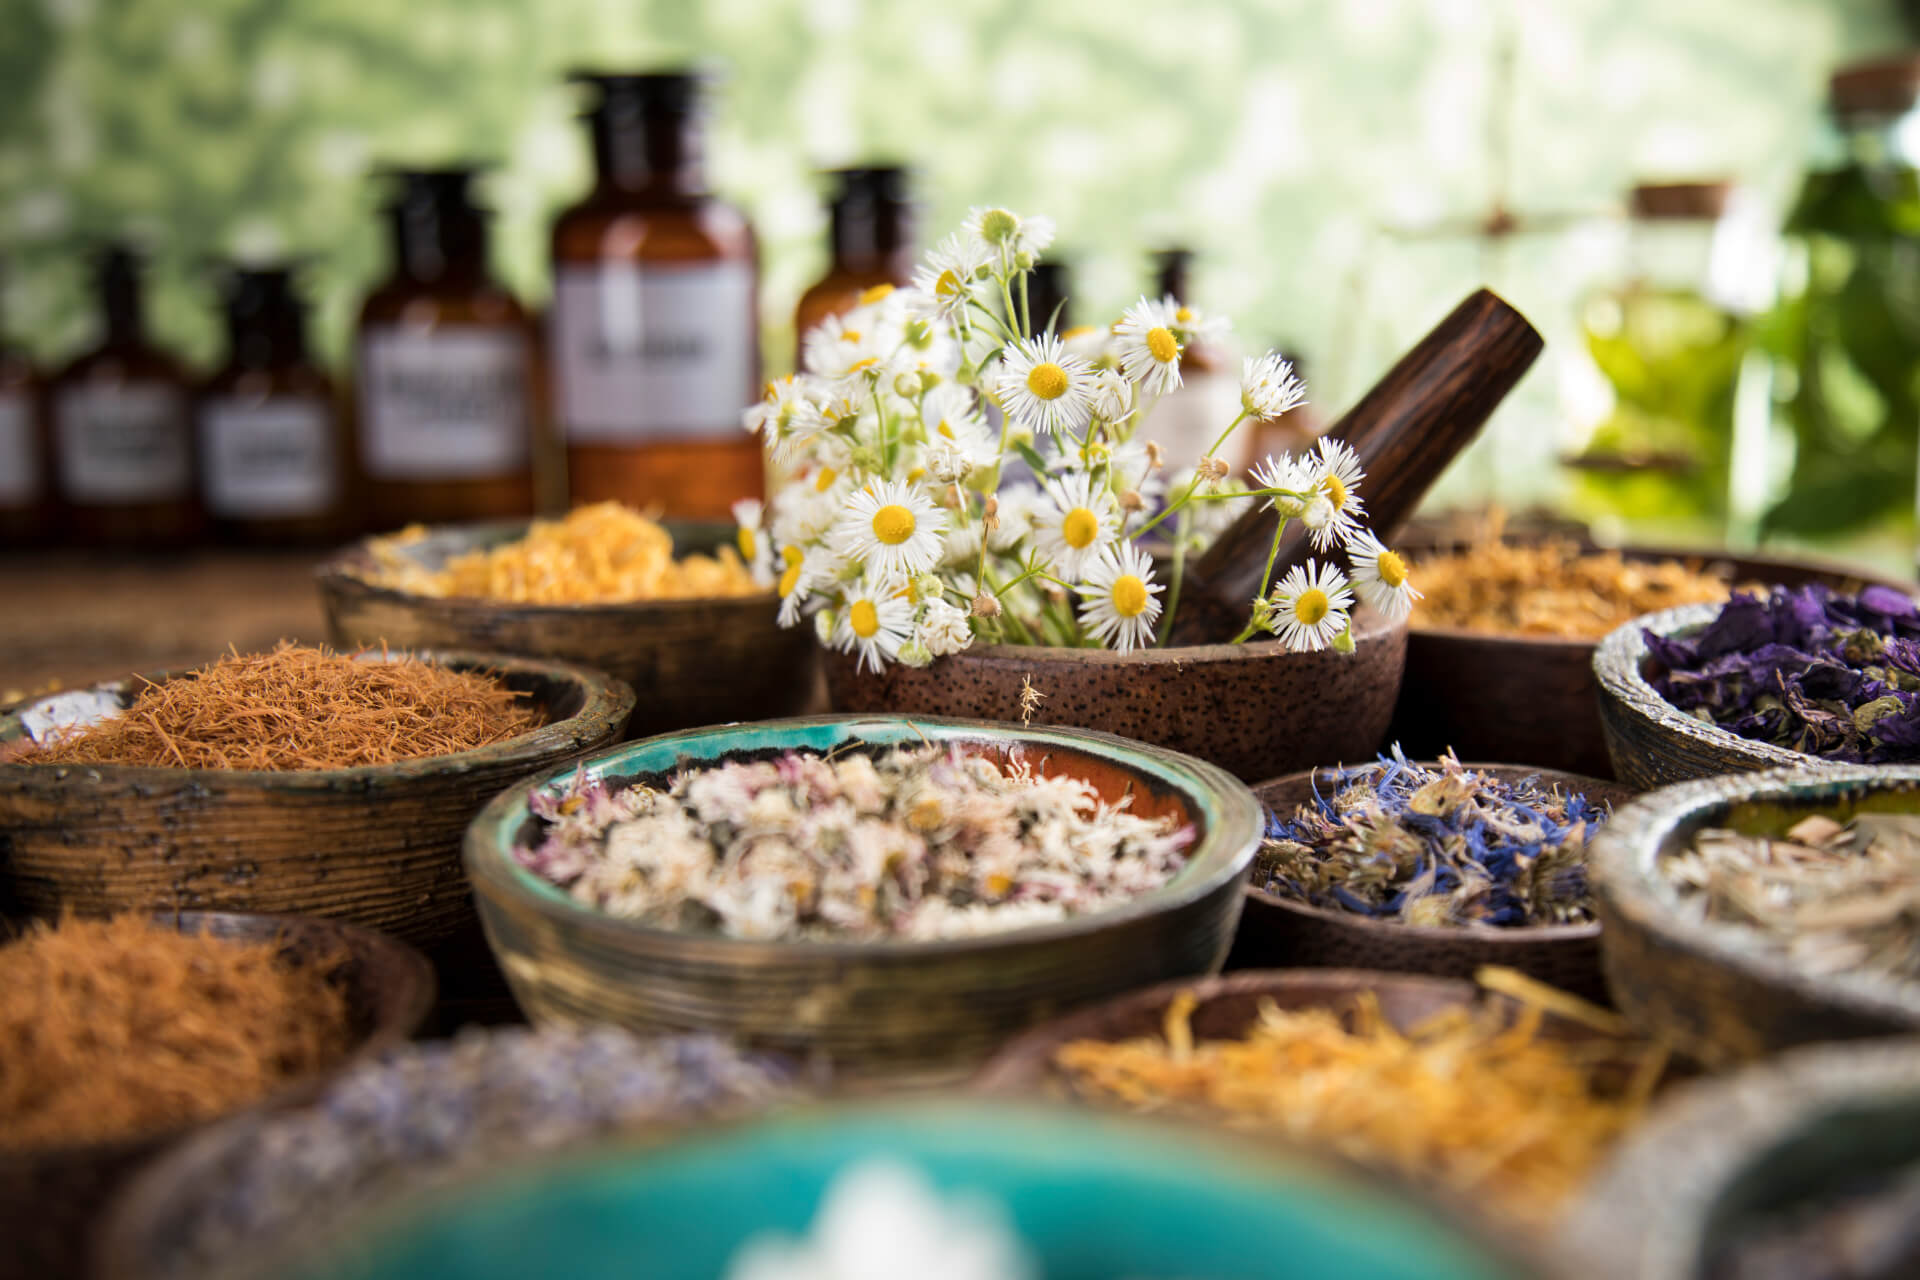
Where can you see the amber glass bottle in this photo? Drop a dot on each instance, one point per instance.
(273, 450)
(655, 326)
(870, 240)
(448, 376)
(26, 491)
(122, 428)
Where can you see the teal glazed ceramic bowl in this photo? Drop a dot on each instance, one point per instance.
(893, 1010)
(1092, 1198)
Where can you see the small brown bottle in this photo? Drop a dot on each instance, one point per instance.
(447, 369)
(654, 336)
(870, 240)
(273, 449)
(27, 512)
(122, 428)
(1191, 417)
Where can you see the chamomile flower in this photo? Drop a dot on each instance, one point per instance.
(1112, 395)
(889, 527)
(1337, 477)
(874, 621)
(1380, 576)
(835, 348)
(1148, 346)
(1310, 607)
(788, 408)
(1075, 524)
(1268, 387)
(943, 628)
(952, 415)
(1295, 475)
(802, 572)
(751, 537)
(1043, 388)
(948, 279)
(1005, 232)
(1194, 325)
(1120, 609)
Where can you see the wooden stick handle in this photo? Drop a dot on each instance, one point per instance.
(1406, 430)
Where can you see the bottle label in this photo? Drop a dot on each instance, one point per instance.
(268, 458)
(124, 443)
(651, 352)
(443, 404)
(19, 451)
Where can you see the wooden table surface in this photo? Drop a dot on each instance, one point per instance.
(78, 617)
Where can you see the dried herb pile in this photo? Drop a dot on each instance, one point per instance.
(1399, 840)
(919, 844)
(113, 1028)
(599, 554)
(299, 708)
(1836, 676)
(1472, 1099)
(1553, 588)
(1836, 898)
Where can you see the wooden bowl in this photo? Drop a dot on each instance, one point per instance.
(893, 1010)
(690, 662)
(1277, 932)
(377, 845)
(49, 1198)
(1715, 990)
(1533, 698)
(1651, 741)
(1723, 1156)
(1253, 709)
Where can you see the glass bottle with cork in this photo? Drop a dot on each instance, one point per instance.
(274, 455)
(27, 510)
(122, 427)
(447, 368)
(869, 240)
(654, 336)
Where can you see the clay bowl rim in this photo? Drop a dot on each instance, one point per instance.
(608, 704)
(1622, 861)
(407, 970)
(1025, 1062)
(1617, 670)
(1431, 933)
(1227, 808)
(336, 576)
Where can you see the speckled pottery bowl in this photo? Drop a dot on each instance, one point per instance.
(1093, 1197)
(1725, 1157)
(1278, 932)
(1715, 990)
(690, 662)
(1254, 709)
(1651, 741)
(892, 1010)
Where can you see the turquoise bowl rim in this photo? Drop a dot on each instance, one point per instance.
(1148, 1148)
(1231, 822)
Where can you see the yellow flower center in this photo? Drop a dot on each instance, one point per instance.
(747, 542)
(789, 578)
(948, 285)
(916, 475)
(873, 295)
(791, 555)
(850, 335)
(1129, 596)
(1080, 528)
(1162, 345)
(864, 619)
(1183, 316)
(867, 363)
(773, 392)
(1047, 380)
(1336, 492)
(893, 524)
(944, 429)
(1393, 570)
(1311, 606)
(1078, 331)
(824, 481)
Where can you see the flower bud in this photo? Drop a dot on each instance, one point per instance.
(928, 586)
(906, 385)
(1211, 470)
(992, 517)
(914, 654)
(1130, 500)
(1156, 456)
(823, 626)
(1343, 643)
(986, 605)
(866, 458)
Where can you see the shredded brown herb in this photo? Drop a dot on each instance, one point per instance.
(114, 1028)
(300, 708)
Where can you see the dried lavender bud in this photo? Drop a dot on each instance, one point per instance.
(1397, 840)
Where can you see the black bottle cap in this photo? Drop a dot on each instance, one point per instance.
(266, 317)
(1047, 289)
(872, 185)
(676, 91)
(870, 213)
(437, 227)
(117, 268)
(1170, 271)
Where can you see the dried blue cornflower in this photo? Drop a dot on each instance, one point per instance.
(1434, 845)
(1809, 669)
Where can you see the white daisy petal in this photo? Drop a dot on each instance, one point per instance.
(890, 527)
(1148, 346)
(1120, 606)
(1311, 607)
(1337, 475)
(1295, 475)
(1380, 576)
(1268, 387)
(875, 620)
(1043, 388)
(1075, 524)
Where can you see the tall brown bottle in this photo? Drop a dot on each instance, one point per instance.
(447, 369)
(273, 449)
(870, 240)
(122, 428)
(27, 509)
(654, 335)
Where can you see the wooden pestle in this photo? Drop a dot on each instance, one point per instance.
(1406, 430)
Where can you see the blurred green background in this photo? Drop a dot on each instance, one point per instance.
(1276, 136)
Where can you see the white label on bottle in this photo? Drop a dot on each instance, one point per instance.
(645, 352)
(440, 404)
(19, 451)
(123, 442)
(268, 458)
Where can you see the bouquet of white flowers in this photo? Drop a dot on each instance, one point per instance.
(952, 479)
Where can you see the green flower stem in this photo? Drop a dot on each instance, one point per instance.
(1273, 553)
(1182, 500)
(1179, 573)
(1026, 321)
